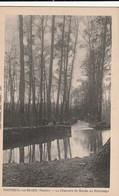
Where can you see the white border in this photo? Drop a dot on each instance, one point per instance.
(60, 3)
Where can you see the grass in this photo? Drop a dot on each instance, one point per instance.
(74, 172)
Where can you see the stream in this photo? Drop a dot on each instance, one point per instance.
(84, 141)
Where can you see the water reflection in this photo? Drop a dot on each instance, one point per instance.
(83, 142)
(58, 148)
(21, 154)
(89, 139)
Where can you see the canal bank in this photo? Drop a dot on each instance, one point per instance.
(75, 172)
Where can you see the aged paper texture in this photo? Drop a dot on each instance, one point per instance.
(24, 32)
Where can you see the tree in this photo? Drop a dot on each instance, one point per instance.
(60, 72)
(101, 73)
(66, 60)
(72, 65)
(50, 70)
(22, 78)
(41, 70)
(96, 62)
(44, 88)
(32, 81)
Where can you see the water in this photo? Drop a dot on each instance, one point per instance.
(84, 141)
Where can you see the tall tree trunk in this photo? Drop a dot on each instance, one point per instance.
(102, 70)
(50, 70)
(72, 66)
(31, 68)
(41, 75)
(6, 81)
(45, 92)
(91, 73)
(44, 97)
(29, 98)
(60, 72)
(11, 86)
(65, 71)
(64, 90)
(22, 77)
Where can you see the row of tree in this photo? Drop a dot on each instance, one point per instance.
(40, 63)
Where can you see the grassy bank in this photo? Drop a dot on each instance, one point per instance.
(58, 173)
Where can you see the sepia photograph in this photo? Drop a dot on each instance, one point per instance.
(57, 101)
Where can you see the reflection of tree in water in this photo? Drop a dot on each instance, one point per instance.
(43, 151)
(33, 153)
(30, 156)
(40, 148)
(30, 152)
(49, 150)
(67, 147)
(90, 139)
(58, 148)
(10, 157)
(21, 154)
(85, 141)
(96, 141)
